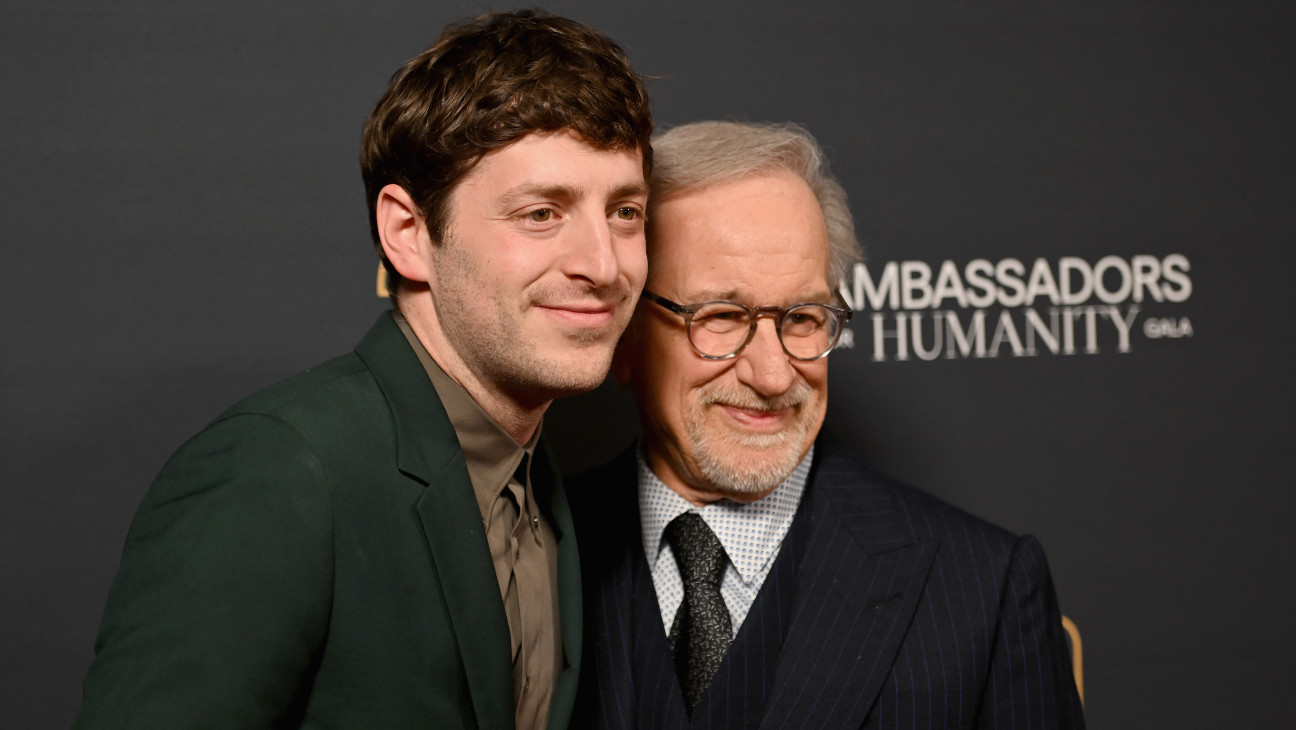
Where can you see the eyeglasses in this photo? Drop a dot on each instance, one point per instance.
(720, 330)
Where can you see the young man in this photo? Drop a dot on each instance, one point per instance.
(379, 542)
(759, 575)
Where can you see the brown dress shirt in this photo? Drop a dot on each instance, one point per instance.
(522, 543)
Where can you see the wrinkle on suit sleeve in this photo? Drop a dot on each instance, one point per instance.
(1030, 683)
(219, 612)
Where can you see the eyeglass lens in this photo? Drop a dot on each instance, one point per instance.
(719, 329)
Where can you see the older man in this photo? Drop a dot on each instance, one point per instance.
(759, 575)
(379, 542)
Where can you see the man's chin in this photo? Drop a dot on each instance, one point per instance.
(578, 372)
(749, 469)
(755, 445)
(745, 484)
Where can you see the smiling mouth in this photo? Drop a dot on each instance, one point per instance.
(757, 419)
(582, 316)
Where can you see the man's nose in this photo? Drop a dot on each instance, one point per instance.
(591, 252)
(763, 365)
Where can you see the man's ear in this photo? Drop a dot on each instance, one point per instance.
(403, 233)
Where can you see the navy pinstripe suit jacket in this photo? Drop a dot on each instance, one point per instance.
(893, 610)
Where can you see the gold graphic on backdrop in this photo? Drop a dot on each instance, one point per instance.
(1077, 655)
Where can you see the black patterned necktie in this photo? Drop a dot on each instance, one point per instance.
(702, 630)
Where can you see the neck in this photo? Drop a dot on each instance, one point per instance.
(519, 417)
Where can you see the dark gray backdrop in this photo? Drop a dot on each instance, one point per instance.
(184, 223)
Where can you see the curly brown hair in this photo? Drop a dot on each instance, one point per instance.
(485, 84)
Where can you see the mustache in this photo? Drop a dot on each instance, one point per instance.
(549, 295)
(798, 394)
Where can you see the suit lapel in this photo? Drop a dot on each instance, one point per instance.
(428, 451)
(857, 591)
(453, 526)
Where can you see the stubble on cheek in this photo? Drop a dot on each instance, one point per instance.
(742, 463)
(567, 294)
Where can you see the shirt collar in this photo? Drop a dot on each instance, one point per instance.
(750, 532)
(490, 453)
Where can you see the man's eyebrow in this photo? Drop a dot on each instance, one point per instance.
(631, 190)
(715, 295)
(732, 295)
(532, 190)
(528, 191)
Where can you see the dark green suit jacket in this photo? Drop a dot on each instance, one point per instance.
(315, 558)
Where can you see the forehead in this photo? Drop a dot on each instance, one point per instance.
(761, 238)
(557, 156)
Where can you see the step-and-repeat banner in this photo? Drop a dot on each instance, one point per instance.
(1074, 318)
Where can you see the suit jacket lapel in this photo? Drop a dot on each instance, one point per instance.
(857, 590)
(428, 451)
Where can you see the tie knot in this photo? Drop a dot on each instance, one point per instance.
(698, 552)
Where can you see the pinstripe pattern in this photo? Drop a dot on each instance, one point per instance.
(904, 612)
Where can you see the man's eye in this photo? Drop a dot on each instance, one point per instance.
(627, 213)
(543, 215)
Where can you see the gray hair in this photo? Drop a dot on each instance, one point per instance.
(703, 154)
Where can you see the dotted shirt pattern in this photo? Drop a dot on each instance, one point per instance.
(750, 533)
